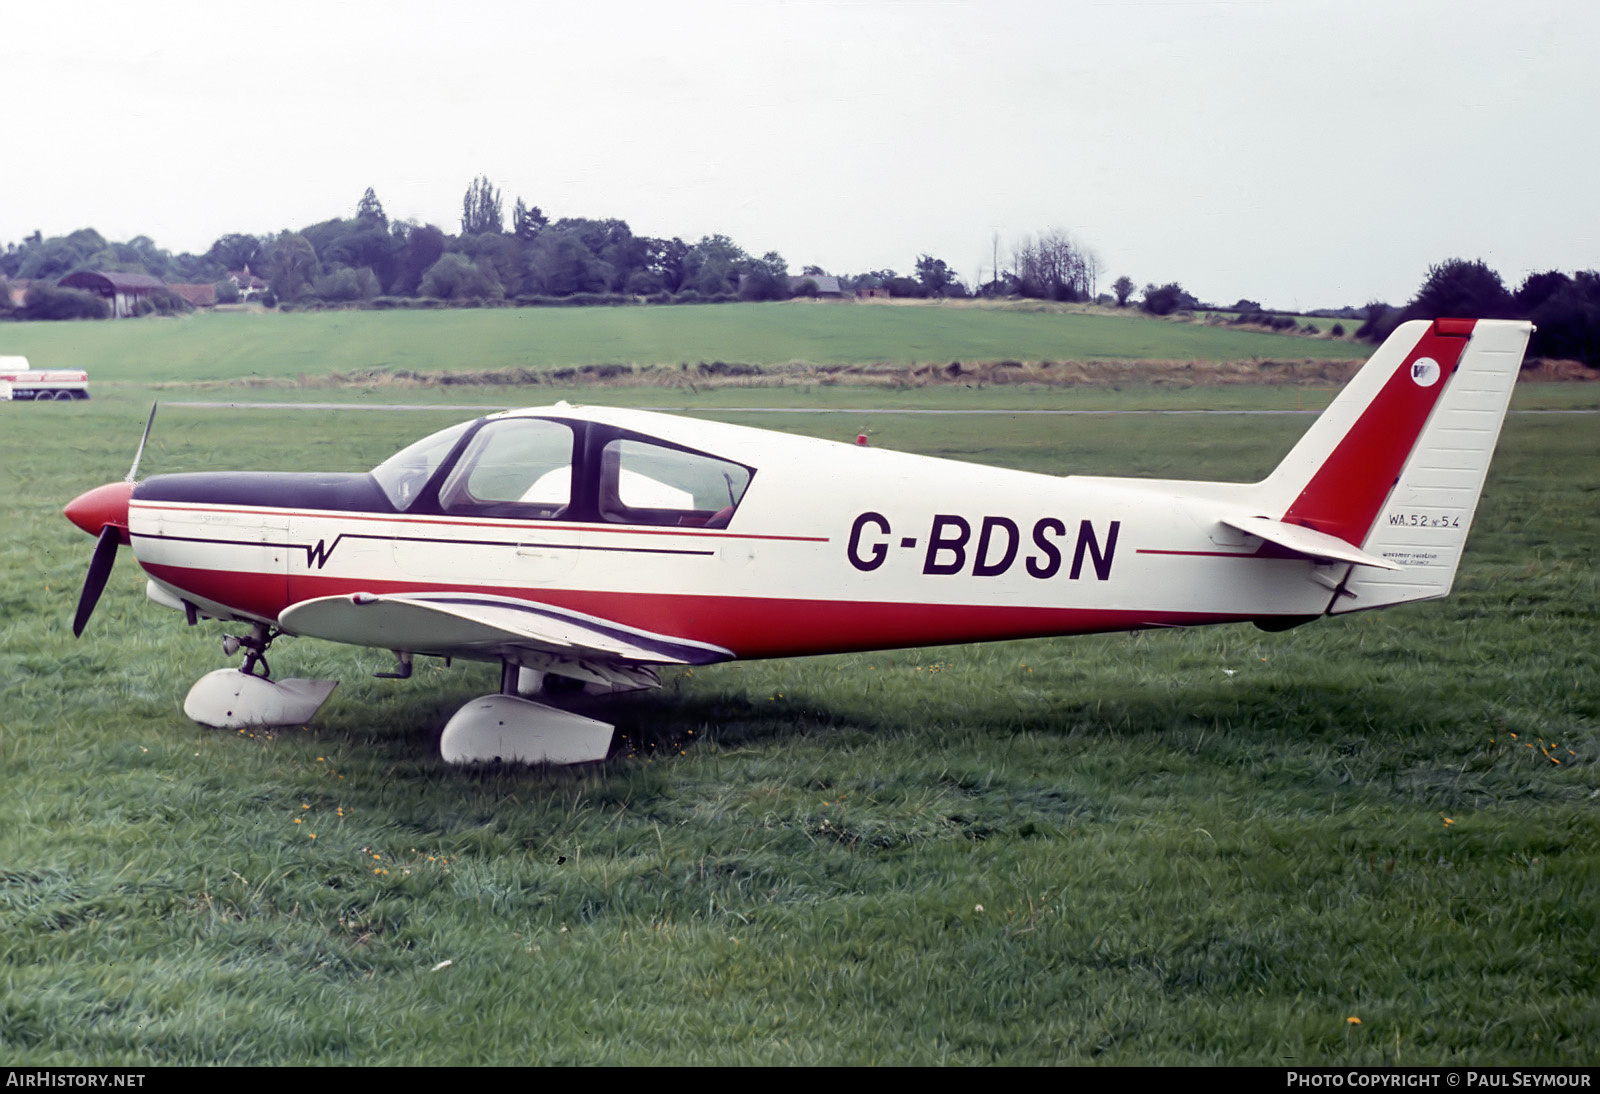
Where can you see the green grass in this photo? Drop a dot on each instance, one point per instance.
(1208, 846)
(215, 346)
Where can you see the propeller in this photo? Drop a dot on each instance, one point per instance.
(103, 513)
(94, 583)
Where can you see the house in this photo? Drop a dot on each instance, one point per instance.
(248, 283)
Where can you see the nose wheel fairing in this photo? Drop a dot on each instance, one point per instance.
(235, 699)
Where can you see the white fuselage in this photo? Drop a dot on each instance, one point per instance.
(832, 547)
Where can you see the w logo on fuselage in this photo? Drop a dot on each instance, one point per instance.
(317, 557)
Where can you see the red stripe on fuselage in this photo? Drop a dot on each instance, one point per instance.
(749, 626)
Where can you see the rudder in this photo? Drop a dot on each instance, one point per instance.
(1423, 520)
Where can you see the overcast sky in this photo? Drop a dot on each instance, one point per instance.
(1303, 153)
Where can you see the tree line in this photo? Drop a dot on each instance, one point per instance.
(371, 258)
(1564, 308)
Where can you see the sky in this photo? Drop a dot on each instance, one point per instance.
(1301, 153)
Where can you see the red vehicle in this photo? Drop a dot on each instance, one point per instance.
(18, 381)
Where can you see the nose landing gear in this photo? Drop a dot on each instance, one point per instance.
(248, 696)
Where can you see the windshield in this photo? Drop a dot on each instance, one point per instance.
(404, 474)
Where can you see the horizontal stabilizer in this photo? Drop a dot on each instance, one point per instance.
(1306, 541)
(465, 625)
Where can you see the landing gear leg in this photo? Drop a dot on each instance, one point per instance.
(255, 646)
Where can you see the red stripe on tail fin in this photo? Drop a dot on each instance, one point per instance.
(1345, 494)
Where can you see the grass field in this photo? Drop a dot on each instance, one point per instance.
(1206, 846)
(233, 346)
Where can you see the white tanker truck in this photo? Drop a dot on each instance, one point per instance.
(18, 381)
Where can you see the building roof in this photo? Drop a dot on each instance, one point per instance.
(108, 281)
(827, 284)
(200, 296)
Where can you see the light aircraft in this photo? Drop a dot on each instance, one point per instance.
(598, 545)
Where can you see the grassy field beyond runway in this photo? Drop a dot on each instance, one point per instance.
(1188, 847)
(234, 346)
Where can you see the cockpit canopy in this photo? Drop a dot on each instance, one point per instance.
(538, 468)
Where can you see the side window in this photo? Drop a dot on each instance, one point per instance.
(646, 483)
(513, 467)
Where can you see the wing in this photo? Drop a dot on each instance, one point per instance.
(482, 627)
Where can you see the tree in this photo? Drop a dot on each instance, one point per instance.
(480, 208)
(141, 255)
(293, 265)
(1378, 322)
(422, 249)
(713, 265)
(527, 223)
(501, 253)
(457, 277)
(1568, 320)
(934, 275)
(358, 242)
(345, 283)
(1166, 299)
(1123, 287)
(371, 209)
(764, 278)
(644, 283)
(53, 258)
(560, 264)
(619, 253)
(1539, 287)
(1460, 289)
(872, 279)
(1055, 267)
(238, 251)
(758, 283)
(665, 258)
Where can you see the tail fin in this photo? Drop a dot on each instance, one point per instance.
(1396, 465)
